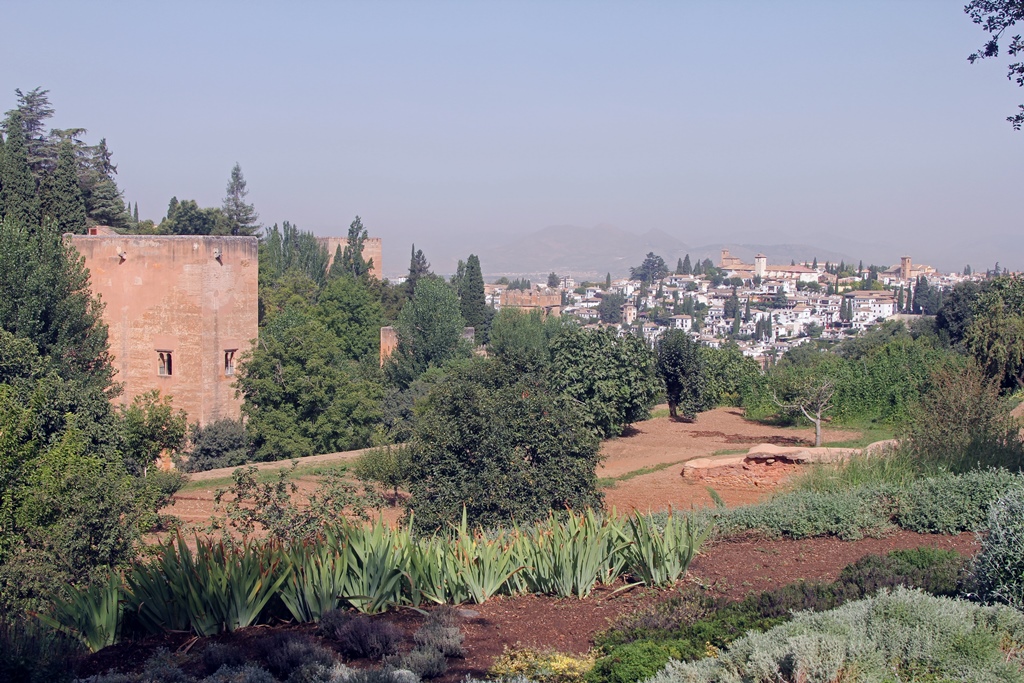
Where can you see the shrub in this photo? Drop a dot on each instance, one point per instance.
(445, 639)
(999, 565)
(221, 443)
(216, 655)
(321, 673)
(905, 635)
(163, 667)
(288, 651)
(363, 637)
(386, 466)
(248, 673)
(951, 504)
(425, 662)
(543, 667)
(689, 625)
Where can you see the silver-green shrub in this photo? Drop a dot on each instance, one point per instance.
(898, 636)
(999, 565)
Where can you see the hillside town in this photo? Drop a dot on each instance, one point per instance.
(765, 308)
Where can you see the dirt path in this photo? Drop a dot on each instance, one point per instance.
(650, 444)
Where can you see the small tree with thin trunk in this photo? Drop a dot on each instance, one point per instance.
(812, 396)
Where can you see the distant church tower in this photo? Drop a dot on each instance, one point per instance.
(905, 267)
(760, 265)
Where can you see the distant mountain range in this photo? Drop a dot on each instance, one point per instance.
(589, 253)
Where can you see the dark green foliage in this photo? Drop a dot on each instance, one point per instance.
(65, 204)
(957, 310)
(183, 218)
(288, 249)
(30, 653)
(609, 309)
(651, 270)
(612, 378)
(304, 390)
(996, 17)
(472, 300)
(553, 280)
(949, 505)
(430, 330)
(682, 369)
(241, 218)
(522, 339)
(222, 443)
(352, 263)
(418, 268)
(684, 626)
(501, 447)
(20, 199)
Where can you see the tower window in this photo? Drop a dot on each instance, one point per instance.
(165, 367)
(229, 362)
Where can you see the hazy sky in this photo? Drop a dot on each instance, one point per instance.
(459, 122)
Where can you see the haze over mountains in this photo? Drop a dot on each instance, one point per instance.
(589, 253)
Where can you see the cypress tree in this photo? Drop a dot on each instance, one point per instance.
(352, 258)
(472, 301)
(65, 195)
(687, 268)
(21, 203)
(746, 311)
(814, 264)
(418, 268)
(608, 281)
(736, 326)
(1, 176)
(899, 301)
(337, 268)
(679, 267)
(135, 214)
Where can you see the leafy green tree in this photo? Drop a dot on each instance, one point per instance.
(503, 447)
(609, 310)
(553, 280)
(472, 300)
(20, 200)
(302, 394)
(388, 466)
(185, 217)
(682, 368)
(651, 270)
(149, 426)
(290, 249)
(241, 217)
(522, 339)
(430, 330)
(995, 17)
(66, 206)
(351, 312)
(957, 310)
(352, 261)
(612, 377)
(995, 333)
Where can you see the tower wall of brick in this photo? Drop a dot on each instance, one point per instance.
(193, 296)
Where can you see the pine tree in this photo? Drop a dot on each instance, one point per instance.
(40, 150)
(105, 205)
(472, 300)
(242, 218)
(66, 201)
(21, 203)
(352, 258)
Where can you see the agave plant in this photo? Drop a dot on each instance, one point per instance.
(91, 614)
(658, 557)
(317, 577)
